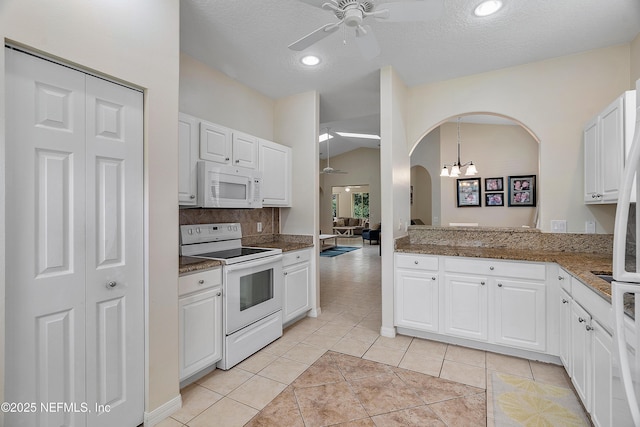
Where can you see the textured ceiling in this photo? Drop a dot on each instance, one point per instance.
(248, 39)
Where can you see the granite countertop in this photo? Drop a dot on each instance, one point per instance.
(578, 264)
(286, 243)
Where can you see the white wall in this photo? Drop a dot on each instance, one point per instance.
(395, 178)
(297, 121)
(427, 155)
(211, 95)
(363, 167)
(421, 199)
(635, 62)
(135, 42)
(553, 98)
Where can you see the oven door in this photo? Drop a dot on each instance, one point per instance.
(252, 291)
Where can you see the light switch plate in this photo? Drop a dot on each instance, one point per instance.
(558, 225)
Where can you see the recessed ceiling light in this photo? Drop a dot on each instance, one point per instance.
(310, 60)
(488, 7)
(358, 135)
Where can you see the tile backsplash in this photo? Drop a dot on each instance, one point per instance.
(248, 219)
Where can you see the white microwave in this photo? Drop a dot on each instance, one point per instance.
(222, 186)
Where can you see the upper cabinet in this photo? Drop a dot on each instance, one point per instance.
(187, 159)
(227, 147)
(607, 141)
(275, 165)
(202, 140)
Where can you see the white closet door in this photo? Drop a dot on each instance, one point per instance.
(114, 274)
(74, 213)
(45, 206)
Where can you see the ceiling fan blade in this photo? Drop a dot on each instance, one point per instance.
(314, 37)
(409, 11)
(367, 42)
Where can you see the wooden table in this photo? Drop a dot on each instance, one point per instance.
(324, 238)
(344, 231)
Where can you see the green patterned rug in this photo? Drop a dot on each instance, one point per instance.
(524, 402)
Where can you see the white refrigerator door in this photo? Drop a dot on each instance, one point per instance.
(631, 277)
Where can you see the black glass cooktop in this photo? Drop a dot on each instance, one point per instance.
(233, 253)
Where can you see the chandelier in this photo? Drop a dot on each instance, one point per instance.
(457, 166)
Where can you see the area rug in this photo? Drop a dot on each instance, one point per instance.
(338, 250)
(524, 402)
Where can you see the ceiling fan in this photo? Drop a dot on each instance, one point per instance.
(353, 14)
(328, 169)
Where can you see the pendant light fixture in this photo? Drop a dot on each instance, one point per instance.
(456, 167)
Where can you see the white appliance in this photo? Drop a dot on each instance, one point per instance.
(221, 186)
(251, 287)
(626, 277)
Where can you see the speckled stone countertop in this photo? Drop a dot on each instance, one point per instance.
(286, 242)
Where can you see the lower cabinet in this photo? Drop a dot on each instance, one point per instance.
(416, 292)
(466, 306)
(565, 329)
(297, 284)
(580, 353)
(200, 321)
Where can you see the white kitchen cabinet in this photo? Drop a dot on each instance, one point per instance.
(519, 313)
(188, 146)
(581, 353)
(274, 161)
(607, 141)
(297, 284)
(215, 143)
(565, 329)
(602, 375)
(244, 150)
(465, 306)
(200, 321)
(416, 292)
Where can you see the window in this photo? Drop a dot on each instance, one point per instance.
(360, 205)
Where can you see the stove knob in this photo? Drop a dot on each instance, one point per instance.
(198, 230)
(190, 231)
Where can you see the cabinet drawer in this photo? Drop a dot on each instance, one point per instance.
(565, 280)
(199, 281)
(519, 270)
(417, 262)
(294, 257)
(598, 307)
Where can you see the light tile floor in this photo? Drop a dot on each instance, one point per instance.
(349, 325)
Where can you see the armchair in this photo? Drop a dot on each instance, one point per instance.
(371, 234)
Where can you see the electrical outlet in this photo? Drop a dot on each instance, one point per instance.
(558, 226)
(259, 227)
(590, 227)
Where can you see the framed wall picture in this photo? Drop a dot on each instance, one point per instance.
(468, 192)
(522, 190)
(493, 184)
(493, 199)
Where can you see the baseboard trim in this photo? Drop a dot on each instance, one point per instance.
(162, 412)
(388, 332)
(315, 312)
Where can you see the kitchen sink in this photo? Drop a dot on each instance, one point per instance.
(604, 276)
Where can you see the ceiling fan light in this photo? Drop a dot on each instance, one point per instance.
(444, 172)
(471, 170)
(488, 8)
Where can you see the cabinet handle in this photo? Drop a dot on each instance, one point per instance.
(581, 320)
(237, 161)
(226, 159)
(219, 293)
(491, 268)
(415, 262)
(201, 282)
(560, 277)
(564, 301)
(433, 278)
(298, 257)
(111, 284)
(482, 283)
(593, 196)
(285, 273)
(588, 328)
(192, 197)
(499, 285)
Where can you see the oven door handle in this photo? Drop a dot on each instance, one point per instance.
(254, 263)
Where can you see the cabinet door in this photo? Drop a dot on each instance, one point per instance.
(565, 329)
(275, 164)
(416, 300)
(200, 322)
(591, 160)
(297, 294)
(580, 353)
(215, 143)
(466, 306)
(245, 150)
(611, 149)
(519, 314)
(602, 374)
(188, 146)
